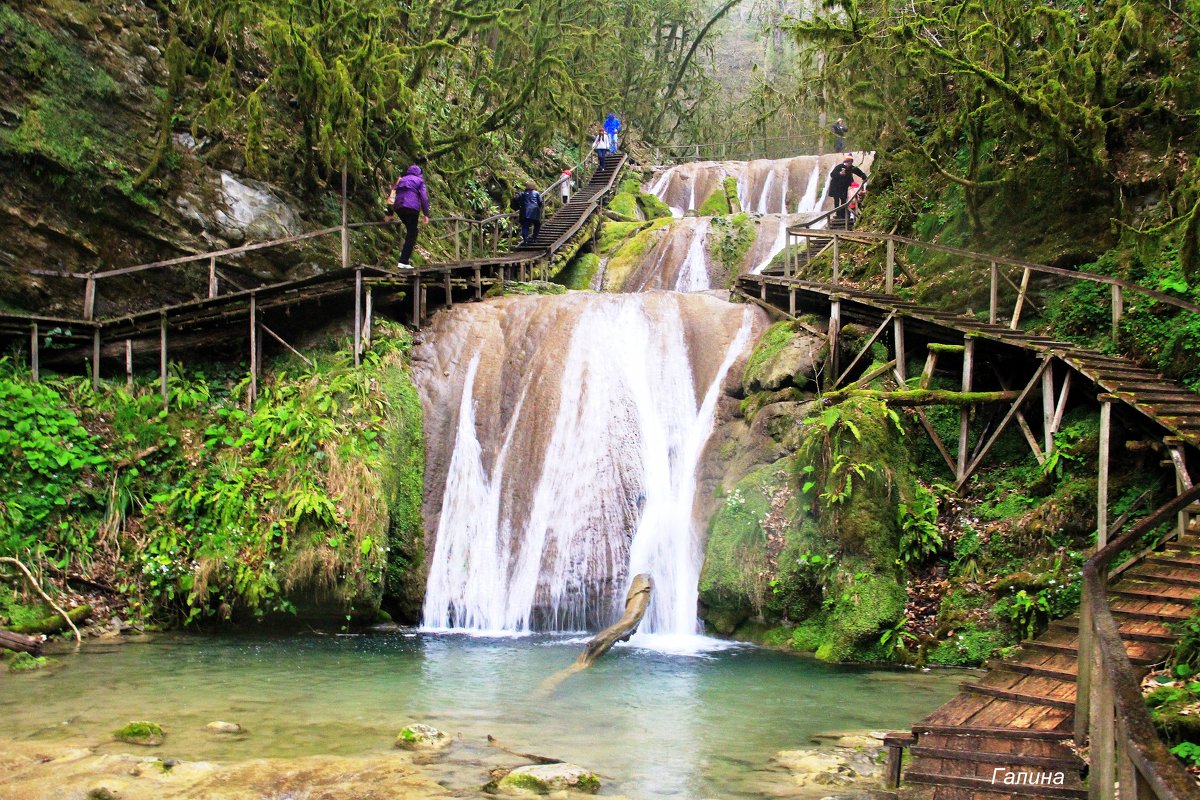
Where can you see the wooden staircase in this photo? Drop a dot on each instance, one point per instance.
(1018, 719)
(567, 220)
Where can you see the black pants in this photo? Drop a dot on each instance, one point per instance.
(526, 226)
(839, 143)
(408, 216)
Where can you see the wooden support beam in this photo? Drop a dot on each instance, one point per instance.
(212, 277)
(1118, 311)
(1085, 662)
(837, 261)
(253, 349)
(937, 440)
(889, 285)
(1102, 478)
(345, 226)
(358, 304)
(34, 350)
(1183, 482)
(994, 294)
(129, 364)
(281, 340)
(96, 359)
(762, 288)
(367, 323)
(898, 343)
(835, 328)
(424, 303)
(1061, 407)
(1048, 409)
(416, 301)
(478, 284)
(162, 358)
(1022, 422)
(89, 298)
(930, 365)
(1016, 317)
(1012, 412)
(920, 397)
(866, 348)
(449, 294)
(964, 415)
(792, 300)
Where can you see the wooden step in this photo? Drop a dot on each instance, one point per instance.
(992, 733)
(1161, 592)
(1129, 636)
(1067, 763)
(1017, 695)
(1154, 572)
(1031, 669)
(1059, 647)
(985, 787)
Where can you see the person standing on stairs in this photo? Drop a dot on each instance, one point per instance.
(565, 187)
(612, 126)
(411, 200)
(840, 179)
(529, 205)
(839, 134)
(601, 147)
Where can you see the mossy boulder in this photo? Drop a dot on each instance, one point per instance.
(505, 288)
(579, 272)
(628, 257)
(729, 240)
(786, 354)
(44, 619)
(540, 779)
(421, 737)
(624, 206)
(652, 207)
(614, 234)
(723, 200)
(864, 605)
(144, 734)
(25, 662)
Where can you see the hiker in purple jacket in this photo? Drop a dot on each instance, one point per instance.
(411, 198)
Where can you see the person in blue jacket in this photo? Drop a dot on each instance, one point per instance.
(412, 198)
(612, 126)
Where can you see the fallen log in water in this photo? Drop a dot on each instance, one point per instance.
(636, 603)
(20, 642)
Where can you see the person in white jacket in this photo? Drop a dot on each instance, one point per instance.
(601, 147)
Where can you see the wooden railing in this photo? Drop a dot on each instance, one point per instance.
(891, 263)
(1110, 713)
(472, 238)
(746, 149)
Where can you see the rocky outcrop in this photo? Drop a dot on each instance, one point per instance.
(540, 779)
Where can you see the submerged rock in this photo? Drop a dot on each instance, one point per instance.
(842, 766)
(421, 737)
(224, 727)
(546, 778)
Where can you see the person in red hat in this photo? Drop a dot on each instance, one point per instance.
(567, 184)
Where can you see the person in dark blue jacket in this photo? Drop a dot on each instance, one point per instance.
(612, 126)
(529, 207)
(412, 198)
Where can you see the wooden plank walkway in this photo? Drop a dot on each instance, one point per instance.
(226, 317)
(1018, 719)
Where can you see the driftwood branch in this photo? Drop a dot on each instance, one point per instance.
(636, 603)
(46, 597)
(20, 642)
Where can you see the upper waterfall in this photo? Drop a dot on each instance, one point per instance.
(564, 434)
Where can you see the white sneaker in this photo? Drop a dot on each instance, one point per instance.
(402, 265)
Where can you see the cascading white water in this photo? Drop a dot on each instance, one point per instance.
(693, 273)
(808, 202)
(580, 423)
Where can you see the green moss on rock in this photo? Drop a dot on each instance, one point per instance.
(625, 206)
(25, 662)
(578, 274)
(145, 734)
(770, 345)
(629, 255)
(653, 208)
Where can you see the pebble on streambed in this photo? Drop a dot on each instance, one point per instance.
(225, 728)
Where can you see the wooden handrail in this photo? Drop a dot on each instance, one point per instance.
(1110, 713)
(802, 229)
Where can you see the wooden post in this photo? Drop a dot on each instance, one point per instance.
(358, 301)
(416, 298)
(1127, 774)
(212, 277)
(1016, 317)
(964, 414)
(1118, 310)
(96, 359)
(345, 228)
(835, 326)
(994, 295)
(162, 357)
(34, 366)
(478, 284)
(890, 277)
(837, 262)
(1083, 691)
(1048, 408)
(424, 302)
(449, 293)
(457, 240)
(367, 322)
(898, 343)
(89, 298)
(792, 300)
(129, 364)
(1183, 479)
(1102, 482)
(787, 259)
(253, 349)
(1102, 737)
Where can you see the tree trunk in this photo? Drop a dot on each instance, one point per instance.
(20, 642)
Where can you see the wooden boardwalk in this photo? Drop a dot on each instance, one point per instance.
(1010, 734)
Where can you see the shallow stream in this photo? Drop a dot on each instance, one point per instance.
(651, 723)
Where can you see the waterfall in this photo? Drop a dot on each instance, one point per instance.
(808, 202)
(565, 453)
(693, 274)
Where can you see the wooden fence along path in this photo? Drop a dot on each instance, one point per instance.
(251, 314)
(1017, 731)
